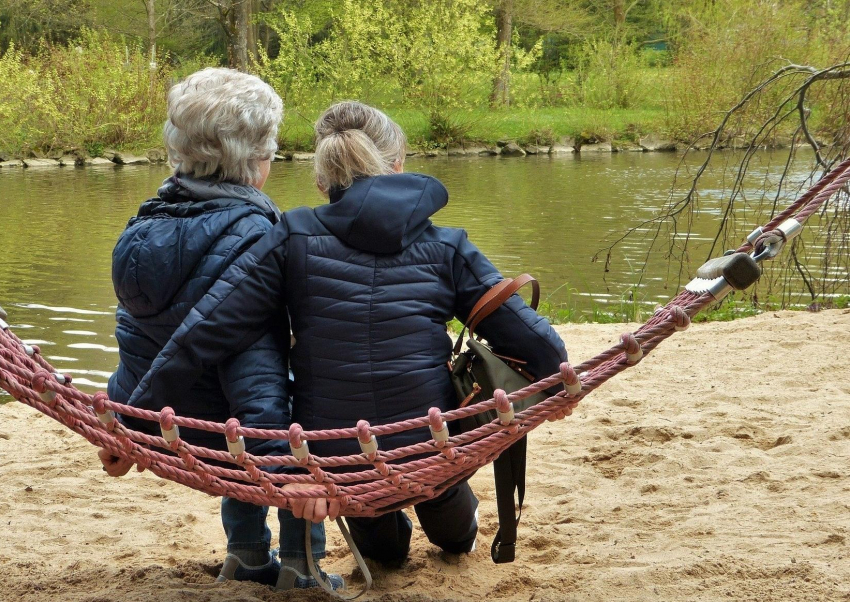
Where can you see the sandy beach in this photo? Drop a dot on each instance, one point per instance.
(716, 469)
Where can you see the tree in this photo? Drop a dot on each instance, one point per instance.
(504, 31)
(150, 9)
(796, 87)
(235, 19)
(28, 23)
(564, 17)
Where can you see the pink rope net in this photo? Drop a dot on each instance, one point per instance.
(374, 482)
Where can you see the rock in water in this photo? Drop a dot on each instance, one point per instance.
(512, 149)
(563, 146)
(599, 147)
(122, 159)
(536, 149)
(157, 155)
(41, 163)
(656, 143)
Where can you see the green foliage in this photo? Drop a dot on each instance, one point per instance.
(539, 136)
(293, 72)
(427, 54)
(576, 68)
(77, 95)
(445, 128)
(27, 24)
(724, 48)
(611, 75)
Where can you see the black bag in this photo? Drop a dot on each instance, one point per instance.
(476, 374)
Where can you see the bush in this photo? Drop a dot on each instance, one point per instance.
(78, 95)
(611, 75)
(730, 47)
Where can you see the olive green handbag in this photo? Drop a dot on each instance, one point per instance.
(476, 373)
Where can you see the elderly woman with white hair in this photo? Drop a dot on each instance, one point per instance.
(220, 135)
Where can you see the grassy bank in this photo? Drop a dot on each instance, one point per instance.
(630, 312)
(488, 126)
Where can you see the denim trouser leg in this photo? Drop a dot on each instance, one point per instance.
(292, 536)
(245, 525)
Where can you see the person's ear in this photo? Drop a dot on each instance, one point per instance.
(398, 166)
(321, 188)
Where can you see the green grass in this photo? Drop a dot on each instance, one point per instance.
(488, 126)
(629, 311)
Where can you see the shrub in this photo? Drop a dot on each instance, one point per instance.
(77, 95)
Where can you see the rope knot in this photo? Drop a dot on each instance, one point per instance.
(572, 382)
(630, 344)
(680, 318)
(104, 415)
(98, 402)
(166, 418)
(363, 433)
(504, 407)
(235, 441)
(230, 430)
(297, 444)
(295, 434)
(368, 441)
(170, 431)
(38, 380)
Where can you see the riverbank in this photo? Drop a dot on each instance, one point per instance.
(678, 479)
(537, 144)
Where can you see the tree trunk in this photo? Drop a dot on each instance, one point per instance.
(263, 33)
(619, 13)
(253, 29)
(150, 9)
(501, 94)
(241, 21)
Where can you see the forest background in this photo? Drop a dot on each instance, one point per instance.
(92, 74)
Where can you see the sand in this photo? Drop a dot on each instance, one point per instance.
(716, 469)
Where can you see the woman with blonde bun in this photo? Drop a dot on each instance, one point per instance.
(368, 283)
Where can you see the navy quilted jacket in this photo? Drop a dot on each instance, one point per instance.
(369, 284)
(163, 264)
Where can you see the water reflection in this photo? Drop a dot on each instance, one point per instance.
(546, 216)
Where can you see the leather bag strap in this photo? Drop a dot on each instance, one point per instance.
(509, 472)
(493, 299)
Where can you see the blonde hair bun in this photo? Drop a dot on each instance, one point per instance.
(354, 140)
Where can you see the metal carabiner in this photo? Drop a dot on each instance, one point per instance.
(770, 249)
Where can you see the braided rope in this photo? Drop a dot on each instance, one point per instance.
(375, 481)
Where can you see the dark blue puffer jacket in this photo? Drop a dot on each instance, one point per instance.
(164, 262)
(369, 284)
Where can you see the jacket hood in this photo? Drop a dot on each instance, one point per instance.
(163, 246)
(383, 214)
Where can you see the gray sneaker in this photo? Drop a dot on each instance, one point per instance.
(234, 569)
(289, 578)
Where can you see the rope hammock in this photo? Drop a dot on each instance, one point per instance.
(376, 482)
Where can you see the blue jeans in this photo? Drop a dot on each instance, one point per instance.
(246, 529)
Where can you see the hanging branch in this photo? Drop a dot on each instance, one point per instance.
(669, 230)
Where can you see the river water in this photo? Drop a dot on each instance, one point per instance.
(546, 216)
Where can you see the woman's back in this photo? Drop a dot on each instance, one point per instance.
(163, 263)
(370, 286)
